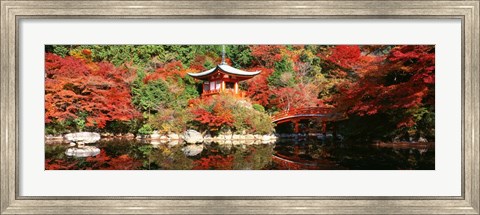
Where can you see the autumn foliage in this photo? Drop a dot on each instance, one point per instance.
(99, 162)
(76, 88)
(89, 87)
(404, 80)
(218, 162)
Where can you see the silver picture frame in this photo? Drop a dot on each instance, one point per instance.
(13, 11)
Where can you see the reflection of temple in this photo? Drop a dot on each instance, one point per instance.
(223, 78)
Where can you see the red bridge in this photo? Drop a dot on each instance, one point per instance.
(326, 114)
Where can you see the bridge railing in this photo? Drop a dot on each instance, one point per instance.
(307, 110)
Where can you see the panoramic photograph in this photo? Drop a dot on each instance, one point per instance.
(239, 107)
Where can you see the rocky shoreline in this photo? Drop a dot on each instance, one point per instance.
(189, 136)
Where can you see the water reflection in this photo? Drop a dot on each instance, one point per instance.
(307, 153)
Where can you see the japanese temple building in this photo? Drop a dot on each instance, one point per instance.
(223, 78)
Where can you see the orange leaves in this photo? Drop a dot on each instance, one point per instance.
(345, 56)
(299, 96)
(267, 54)
(74, 86)
(258, 89)
(104, 162)
(60, 165)
(171, 69)
(212, 113)
(216, 162)
(222, 116)
(86, 52)
(404, 80)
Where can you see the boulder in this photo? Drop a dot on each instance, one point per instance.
(266, 138)
(207, 137)
(87, 151)
(249, 137)
(106, 134)
(220, 137)
(163, 137)
(236, 137)
(258, 136)
(83, 137)
(422, 140)
(249, 142)
(192, 136)
(155, 135)
(173, 143)
(52, 137)
(155, 143)
(192, 150)
(173, 136)
(129, 135)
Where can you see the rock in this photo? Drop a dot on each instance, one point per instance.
(220, 137)
(84, 137)
(173, 143)
(422, 140)
(396, 139)
(207, 137)
(163, 137)
(273, 137)
(106, 134)
(51, 137)
(192, 150)
(236, 137)
(87, 151)
(173, 136)
(258, 136)
(266, 138)
(249, 137)
(192, 136)
(155, 143)
(129, 135)
(249, 142)
(155, 135)
(228, 137)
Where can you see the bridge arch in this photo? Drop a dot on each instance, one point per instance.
(298, 114)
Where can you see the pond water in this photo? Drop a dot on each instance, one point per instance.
(283, 154)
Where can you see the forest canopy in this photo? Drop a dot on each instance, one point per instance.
(387, 91)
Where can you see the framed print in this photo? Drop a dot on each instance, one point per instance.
(250, 107)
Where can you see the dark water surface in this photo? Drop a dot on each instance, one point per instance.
(283, 154)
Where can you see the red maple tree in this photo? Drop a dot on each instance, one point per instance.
(76, 86)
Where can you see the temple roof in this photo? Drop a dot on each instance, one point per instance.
(225, 69)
